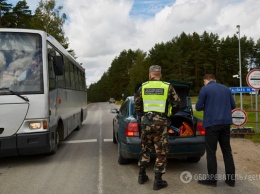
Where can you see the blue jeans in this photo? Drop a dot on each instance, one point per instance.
(221, 134)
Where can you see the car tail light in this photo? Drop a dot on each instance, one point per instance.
(200, 130)
(132, 130)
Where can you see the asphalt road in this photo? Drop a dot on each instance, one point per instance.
(86, 163)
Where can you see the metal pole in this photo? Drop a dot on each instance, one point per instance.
(240, 71)
(256, 113)
(251, 100)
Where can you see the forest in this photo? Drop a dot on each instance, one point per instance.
(186, 57)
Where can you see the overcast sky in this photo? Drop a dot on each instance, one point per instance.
(98, 30)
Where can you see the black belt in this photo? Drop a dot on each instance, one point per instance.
(155, 113)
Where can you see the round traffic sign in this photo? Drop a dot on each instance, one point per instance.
(253, 79)
(239, 117)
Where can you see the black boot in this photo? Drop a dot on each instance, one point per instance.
(142, 178)
(158, 182)
(208, 182)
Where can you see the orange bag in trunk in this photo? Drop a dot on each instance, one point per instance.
(185, 130)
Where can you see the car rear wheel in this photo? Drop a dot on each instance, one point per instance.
(121, 160)
(114, 137)
(193, 159)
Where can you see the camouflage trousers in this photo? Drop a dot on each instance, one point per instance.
(154, 136)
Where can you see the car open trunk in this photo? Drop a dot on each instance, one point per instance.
(185, 114)
(177, 121)
(185, 119)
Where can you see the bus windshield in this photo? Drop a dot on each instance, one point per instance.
(21, 63)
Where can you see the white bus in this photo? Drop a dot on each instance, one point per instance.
(43, 94)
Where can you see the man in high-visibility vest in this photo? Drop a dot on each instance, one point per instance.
(156, 101)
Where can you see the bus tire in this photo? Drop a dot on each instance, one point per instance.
(81, 120)
(57, 142)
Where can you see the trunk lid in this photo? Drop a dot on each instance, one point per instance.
(183, 90)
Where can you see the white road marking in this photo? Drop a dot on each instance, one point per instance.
(108, 140)
(100, 169)
(85, 141)
(80, 141)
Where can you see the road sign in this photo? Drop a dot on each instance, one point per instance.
(239, 117)
(245, 89)
(253, 79)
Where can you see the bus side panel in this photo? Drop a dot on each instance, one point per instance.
(69, 109)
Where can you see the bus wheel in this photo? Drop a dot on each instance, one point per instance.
(57, 143)
(80, 124)
(78, 127)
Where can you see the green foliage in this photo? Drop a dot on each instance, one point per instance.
(255, 138)
(22, 15)
(187, 57)
(126, 71)
(47, 17)
(139, 68)
(5, 14)
(18, 16)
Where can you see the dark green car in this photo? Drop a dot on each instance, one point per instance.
(126, 130)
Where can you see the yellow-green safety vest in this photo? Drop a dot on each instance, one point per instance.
(154, 94)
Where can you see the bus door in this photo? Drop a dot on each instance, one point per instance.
(56, 83)
(53, 92)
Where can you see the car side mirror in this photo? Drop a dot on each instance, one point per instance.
(114, 111)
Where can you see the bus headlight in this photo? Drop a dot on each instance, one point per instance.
(35, 125)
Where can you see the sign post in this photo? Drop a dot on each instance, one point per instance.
(253, 80)
(239, 117)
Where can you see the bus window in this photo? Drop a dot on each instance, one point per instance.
(52, 78)
(60, 78)
(67, 73)
(76, 78)
(72, 79)
(80, 79)
(83, 86)
(83, 81)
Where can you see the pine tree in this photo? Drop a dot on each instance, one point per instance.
(5, 16)
(49, 19)
(22, 15)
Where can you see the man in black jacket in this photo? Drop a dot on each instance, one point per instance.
(217, 103)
